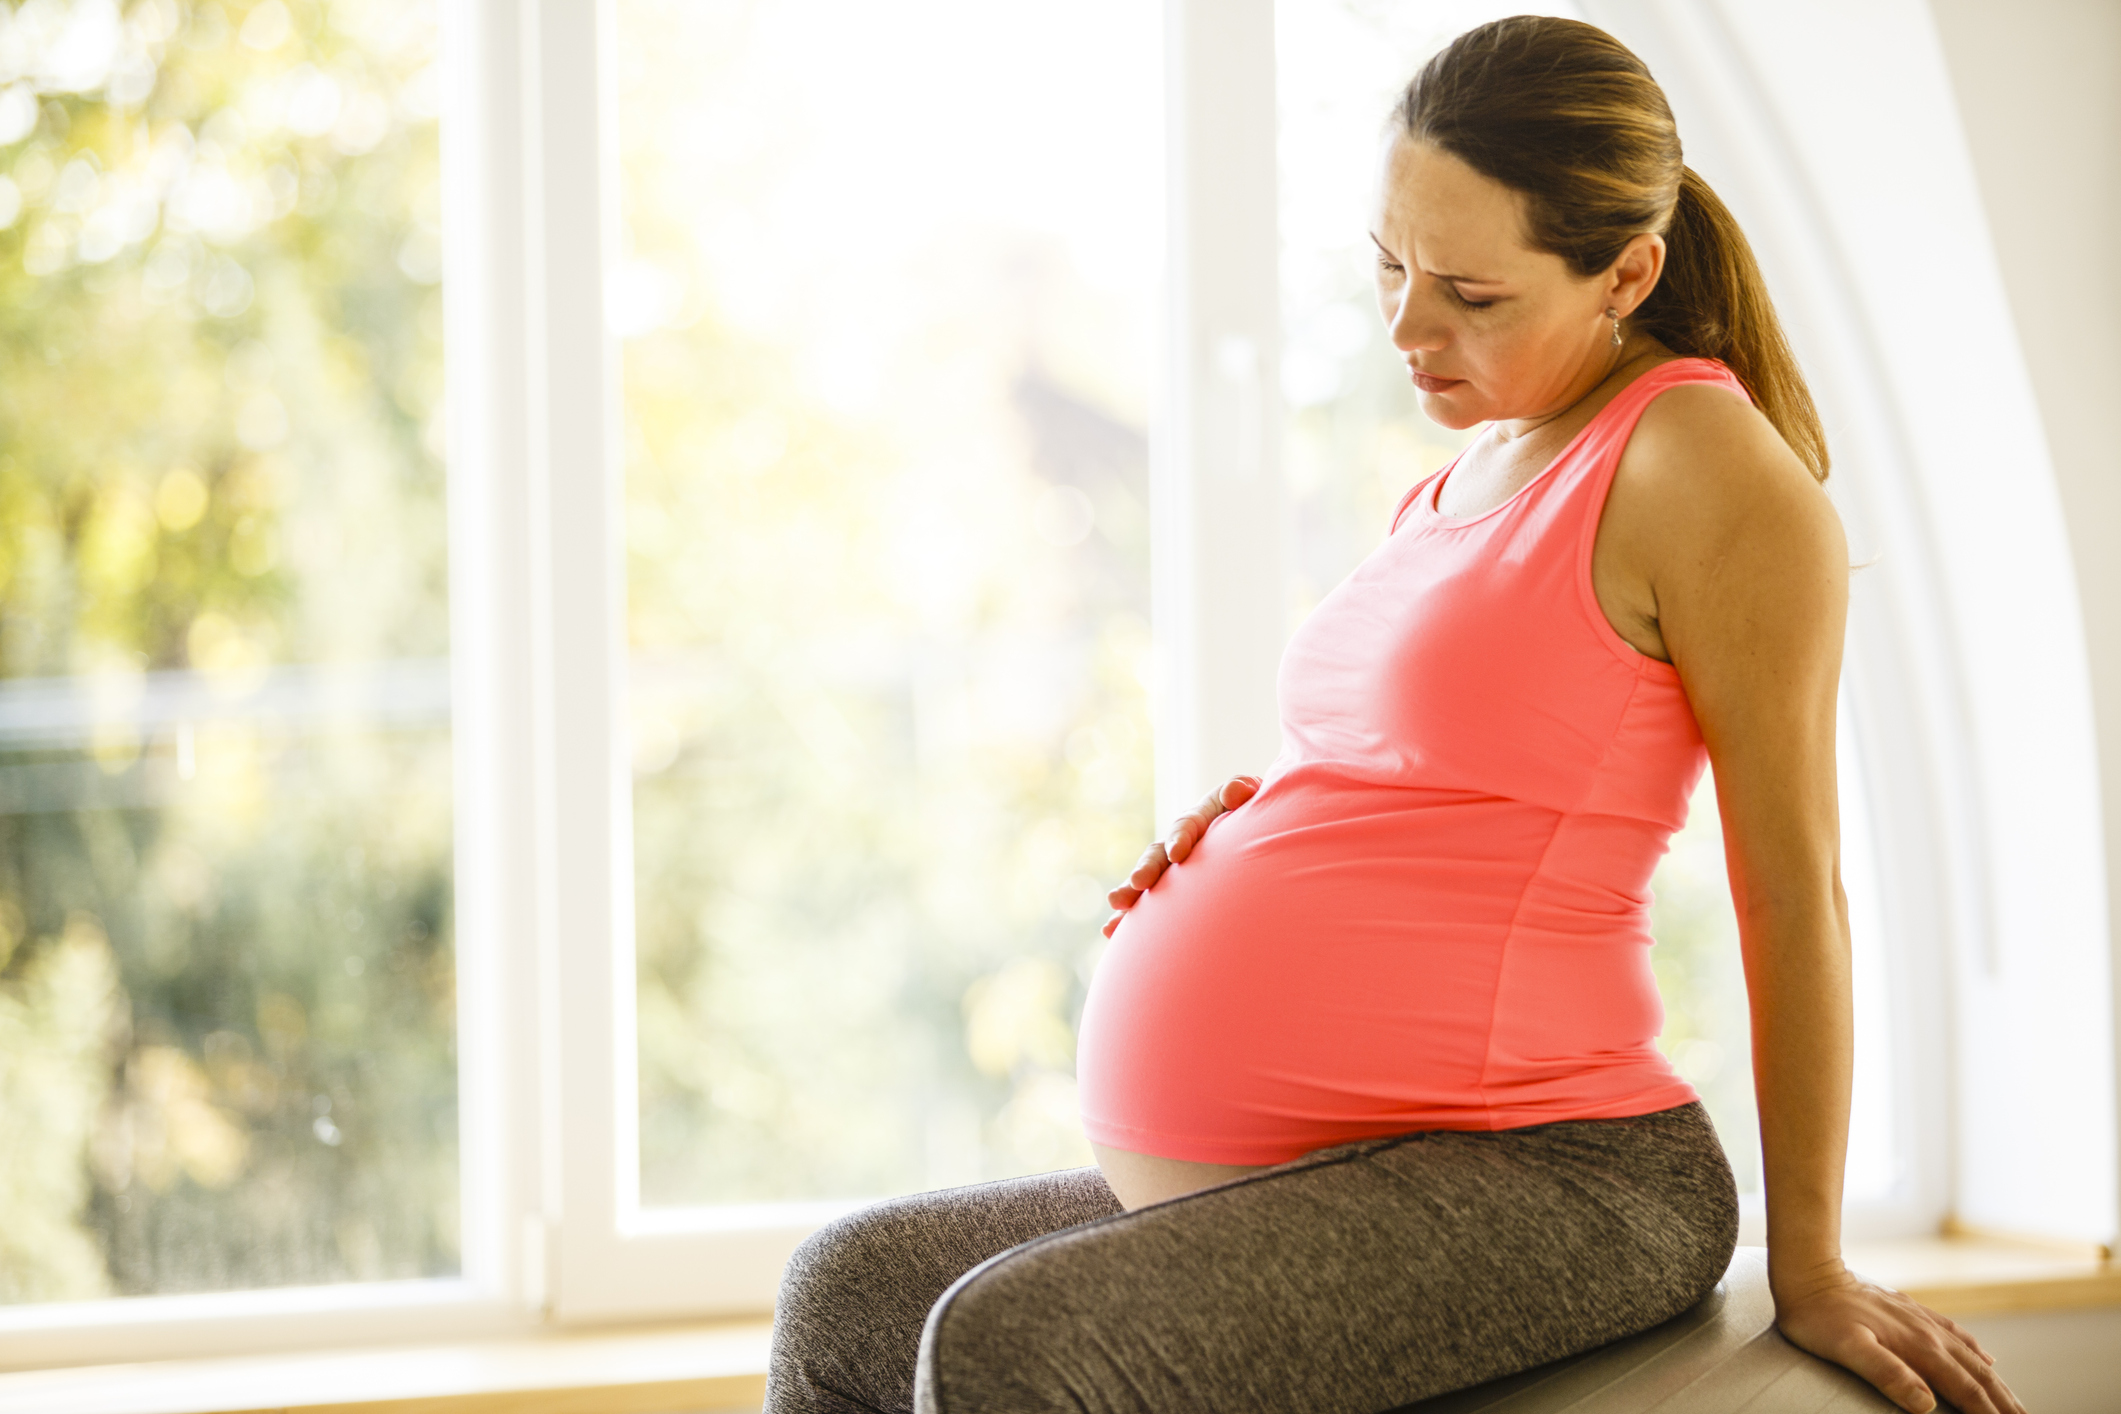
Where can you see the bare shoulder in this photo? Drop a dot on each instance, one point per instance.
(1704, 472)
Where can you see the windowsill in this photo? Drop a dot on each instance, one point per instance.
(695, 1368)
(721, 1365)
(1976, 1274)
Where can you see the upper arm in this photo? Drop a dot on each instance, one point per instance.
(1749, 571)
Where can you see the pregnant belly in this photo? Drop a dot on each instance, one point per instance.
(1307, 978)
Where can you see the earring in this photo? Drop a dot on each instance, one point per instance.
(1614, 315)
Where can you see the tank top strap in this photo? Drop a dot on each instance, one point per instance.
(1628, 405)
(1414, 493)
(1587, 468)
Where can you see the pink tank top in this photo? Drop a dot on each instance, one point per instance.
(1435, 912)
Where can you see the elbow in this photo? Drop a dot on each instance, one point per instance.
(1795, 895)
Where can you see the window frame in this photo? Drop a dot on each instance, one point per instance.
(502, 1128)
(552, 1229)
(1215, 581)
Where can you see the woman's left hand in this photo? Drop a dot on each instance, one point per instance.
(1912, 1354)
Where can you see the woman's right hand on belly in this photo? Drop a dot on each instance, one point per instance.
(1185, 832)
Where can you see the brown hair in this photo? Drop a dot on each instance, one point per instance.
(1567, 115)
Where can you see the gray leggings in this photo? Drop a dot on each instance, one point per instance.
(1349, 1281)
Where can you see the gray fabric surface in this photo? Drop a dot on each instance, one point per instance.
(1356, 1279)
(1722, 1356)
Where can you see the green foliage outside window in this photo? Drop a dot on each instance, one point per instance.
(887, 559)
(226, 990)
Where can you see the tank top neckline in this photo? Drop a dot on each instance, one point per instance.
(1428, 504)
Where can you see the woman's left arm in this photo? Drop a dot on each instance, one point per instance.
(1749, 570)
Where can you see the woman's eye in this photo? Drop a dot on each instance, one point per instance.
(1390, 267)
(1465, 303)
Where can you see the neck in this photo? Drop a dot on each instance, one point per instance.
(1515, 428)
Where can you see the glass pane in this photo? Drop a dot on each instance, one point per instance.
(1357, 440)
(888, 302)
(226, 995)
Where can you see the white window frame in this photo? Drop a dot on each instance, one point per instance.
(1216, 580)
(504, 1022)
(552, 1227)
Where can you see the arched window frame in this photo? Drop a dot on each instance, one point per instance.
(1833, 134)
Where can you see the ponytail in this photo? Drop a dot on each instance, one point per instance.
(1712, 303)
(1567, 115)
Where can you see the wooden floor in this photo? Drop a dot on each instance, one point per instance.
(708, 1368)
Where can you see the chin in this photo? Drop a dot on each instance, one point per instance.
(1446, 411)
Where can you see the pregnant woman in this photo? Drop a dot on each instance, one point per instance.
(1369, 1065)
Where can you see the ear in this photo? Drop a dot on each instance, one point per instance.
(1635, 274)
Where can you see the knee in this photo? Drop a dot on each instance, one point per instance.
(1691, 1225)
(1714, 1233)
(843, 1331)
(811, 1268)
(846, 1256)
(974, 1337)
(1032, 1331)
(826, 1247)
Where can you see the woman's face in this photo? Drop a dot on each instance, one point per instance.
(1490, 329)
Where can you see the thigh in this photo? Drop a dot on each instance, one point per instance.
(1355, 1279)
(847, 1324)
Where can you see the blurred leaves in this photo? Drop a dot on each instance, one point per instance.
(195, 252)
(887, 601)
(219, 455)
(57, 1009)
(165, 1121)
(1013, 1017)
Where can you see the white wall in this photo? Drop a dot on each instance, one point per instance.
(2038, 84)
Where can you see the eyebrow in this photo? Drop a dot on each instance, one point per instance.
(1460, 279)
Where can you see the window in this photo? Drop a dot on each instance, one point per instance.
(227, 992)
(888, 306)
(532, 892)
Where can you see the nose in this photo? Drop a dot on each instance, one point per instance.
(1414, 322)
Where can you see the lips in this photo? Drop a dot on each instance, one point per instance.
(1430, 383)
